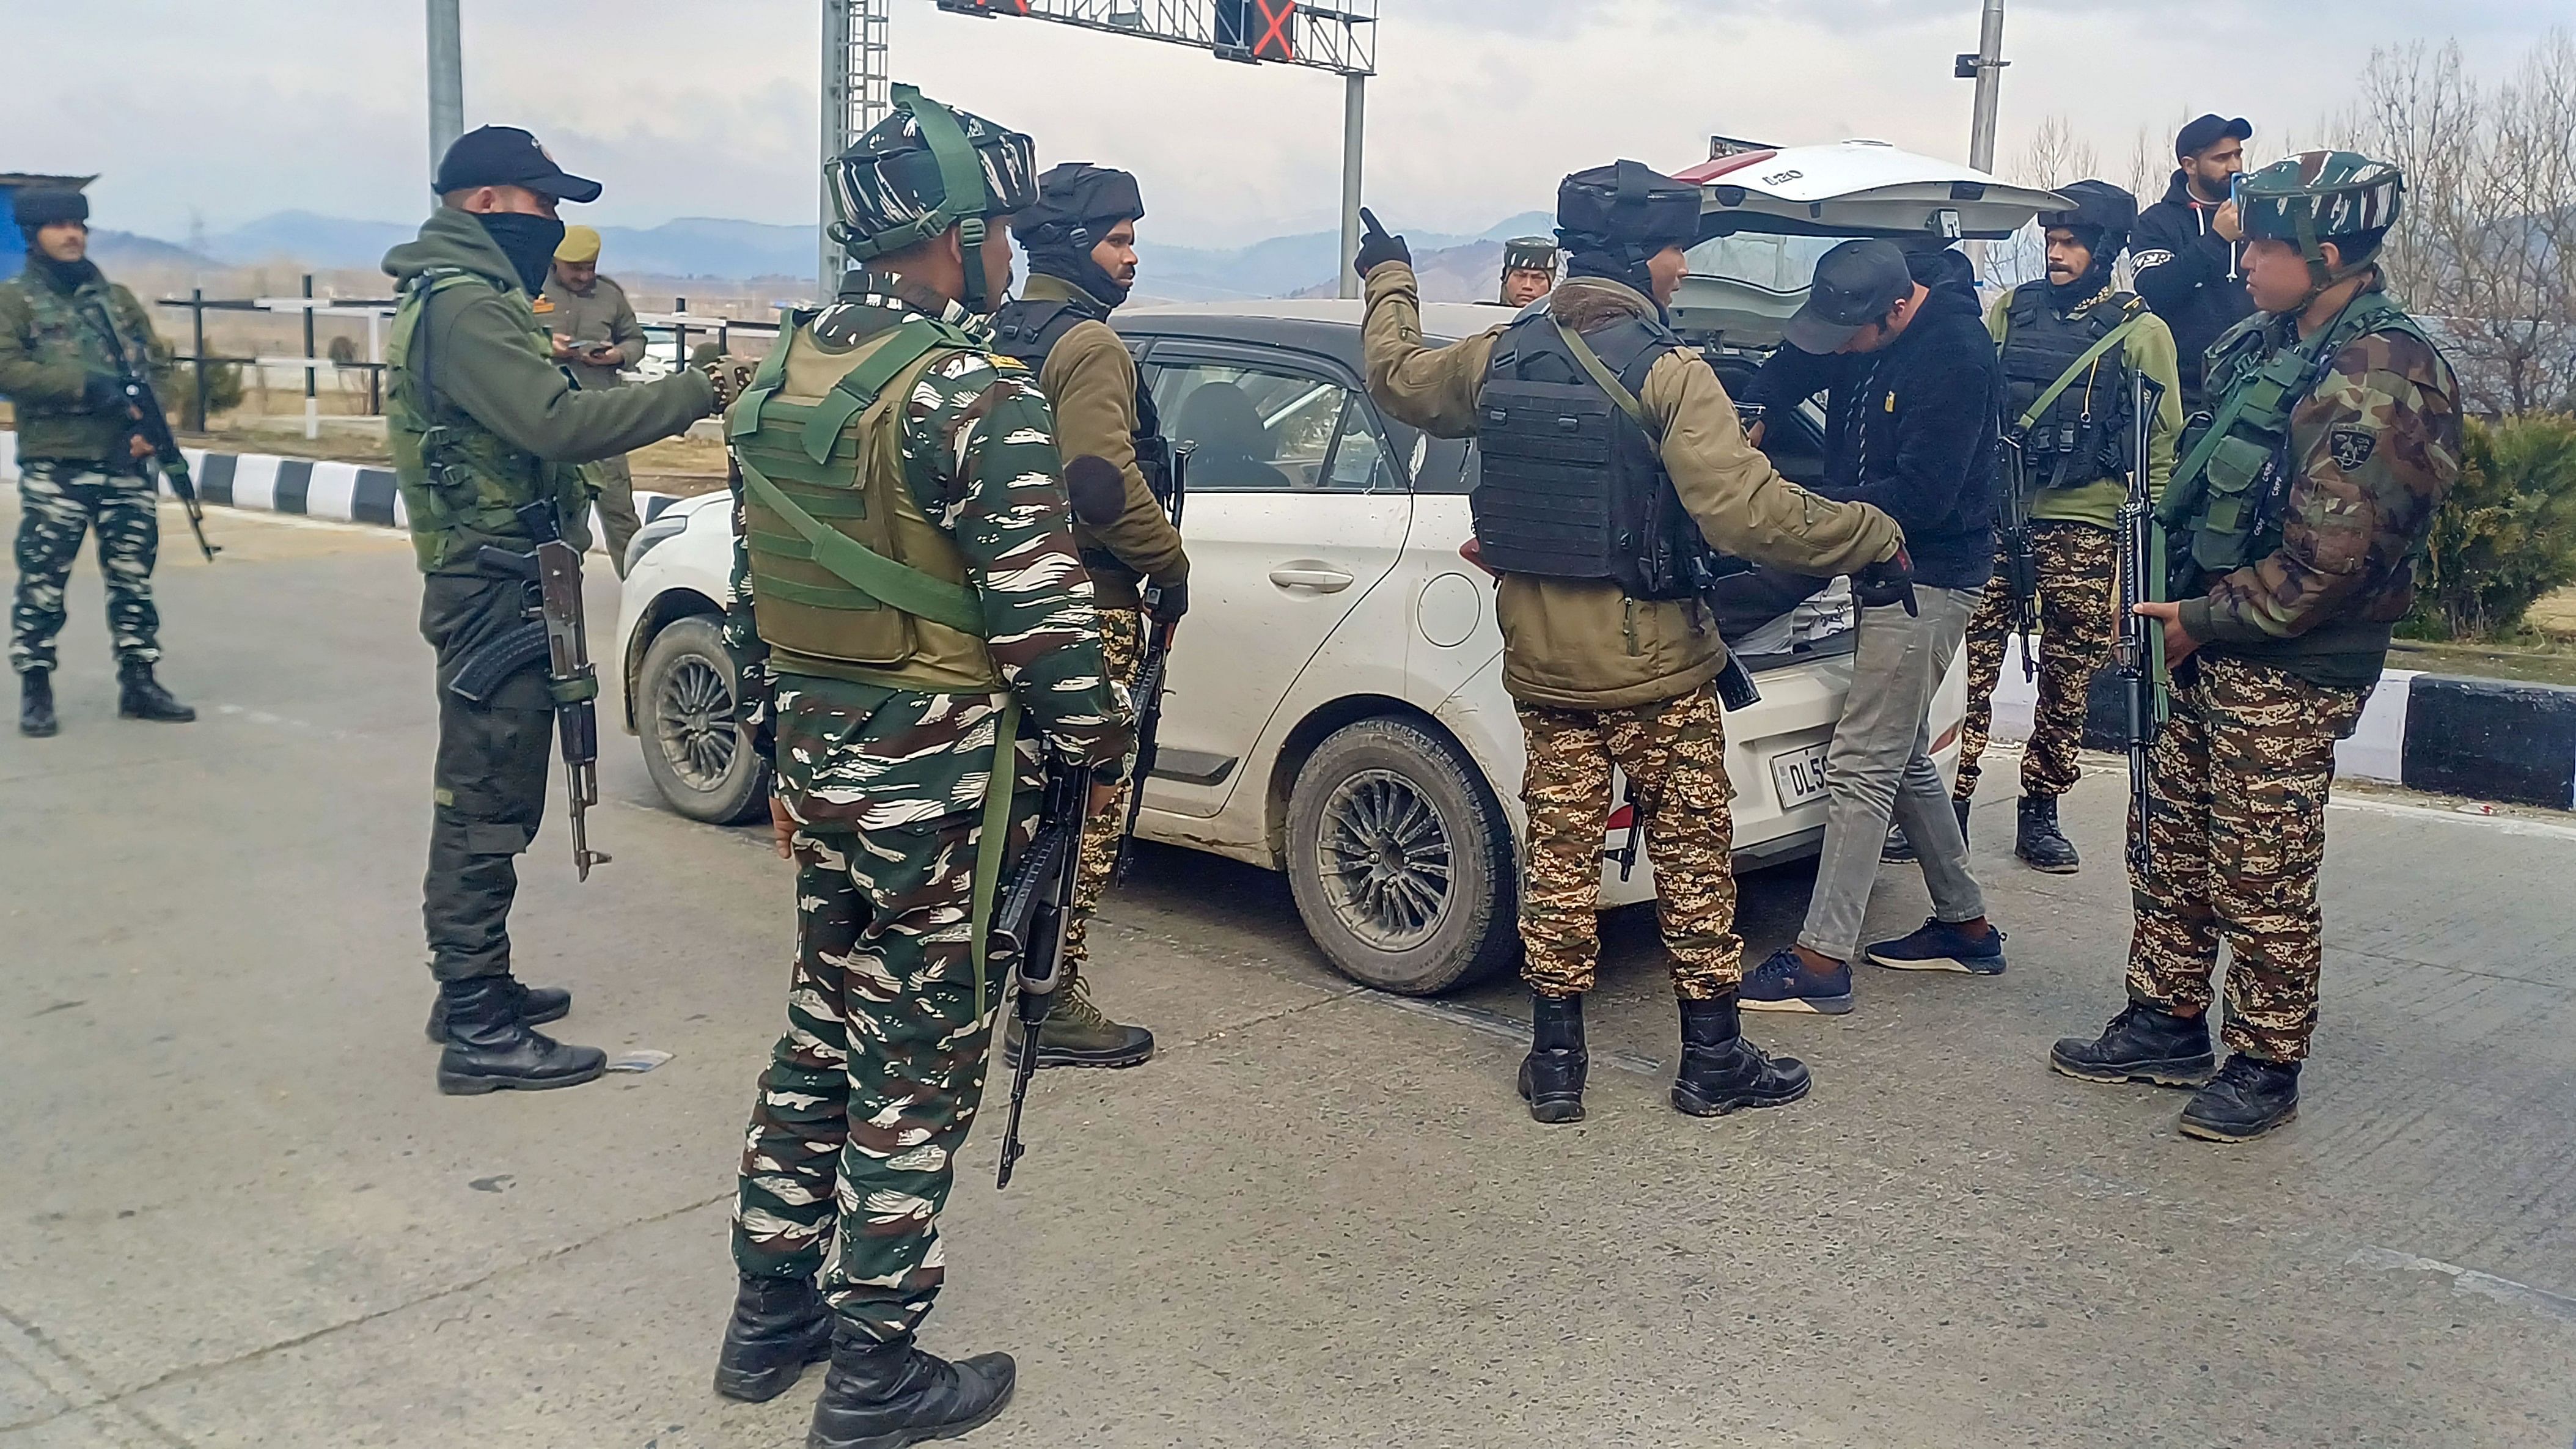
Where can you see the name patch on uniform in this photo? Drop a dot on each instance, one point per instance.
(2351, 445)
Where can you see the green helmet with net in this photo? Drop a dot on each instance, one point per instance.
(926, 168)
(2317, 197)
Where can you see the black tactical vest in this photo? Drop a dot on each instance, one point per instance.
(2084, 436)
(1030, 330)
(1572, 486)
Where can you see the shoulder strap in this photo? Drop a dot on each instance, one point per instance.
(860, 387)
(2102, 344)
(1602, 377)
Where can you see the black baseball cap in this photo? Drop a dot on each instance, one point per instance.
(2205, 132)
(508, 156)
(1855, 284)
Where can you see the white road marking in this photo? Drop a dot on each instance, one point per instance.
(2469, 1280)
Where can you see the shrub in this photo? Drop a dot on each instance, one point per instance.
(223, 391)
(2506, 535)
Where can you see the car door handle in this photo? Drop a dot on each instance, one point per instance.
(1321, 579)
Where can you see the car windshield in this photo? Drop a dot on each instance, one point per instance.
(1779, 265)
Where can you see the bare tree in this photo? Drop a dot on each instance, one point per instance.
(2054, 156)
(2486, 250)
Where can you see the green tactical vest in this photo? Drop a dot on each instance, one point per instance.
(459, 480)
(850, 579)
(2218, 494)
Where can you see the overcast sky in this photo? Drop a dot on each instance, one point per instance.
(226, 110)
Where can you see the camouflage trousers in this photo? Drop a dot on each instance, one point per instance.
(2237, 828)
(1674, 752)
(1122, 644)
(58, 503)
(2078, 612)
(868, 1097)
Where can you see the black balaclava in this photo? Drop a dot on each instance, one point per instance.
(1078, 204)
(1598, 256)
(528, 241)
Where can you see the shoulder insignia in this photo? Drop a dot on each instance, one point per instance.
(2351, 444)
(542, 305)
(2151, 257)
(1004, 362)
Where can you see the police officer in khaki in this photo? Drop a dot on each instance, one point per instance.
(595, 336)
(485, 431)
(1588, 409)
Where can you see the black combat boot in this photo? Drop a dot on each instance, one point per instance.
(779, 1326)
(490, 1049)
(1552, 1073)
(140, 696)
(2142, 1044)
(2038, 841)
(887, 1395)
(2247, 1098)
(536, 1006)
(1721, 1071)
(36, 704)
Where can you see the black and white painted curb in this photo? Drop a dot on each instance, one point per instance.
(2485, 739)
(337, 492)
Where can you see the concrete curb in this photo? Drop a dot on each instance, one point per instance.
(338, 492)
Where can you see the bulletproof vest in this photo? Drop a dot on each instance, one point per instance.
(2226, 493)
(461, 483)
(2083, 437)
(1029, 331)
(1572, 485)
(850, 579)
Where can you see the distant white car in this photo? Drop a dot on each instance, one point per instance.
(1335, 707)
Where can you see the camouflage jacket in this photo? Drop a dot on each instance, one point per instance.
(50, 344)
(979, 452)
(2372, 450)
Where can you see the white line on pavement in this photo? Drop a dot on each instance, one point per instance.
(2470, 1280)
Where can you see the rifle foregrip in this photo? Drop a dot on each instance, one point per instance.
(492, 665)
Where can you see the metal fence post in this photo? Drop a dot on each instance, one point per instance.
(680, 330)
(197, 346)
(312, 400)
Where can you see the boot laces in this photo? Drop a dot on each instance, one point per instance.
(2244, 1073)
(1074, 1007)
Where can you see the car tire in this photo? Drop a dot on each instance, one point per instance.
(685, 703)
(1375, 813)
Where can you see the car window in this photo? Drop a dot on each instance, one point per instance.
(1359, 463)
(1259, 430)
(1782, 265)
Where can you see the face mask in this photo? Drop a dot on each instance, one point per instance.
(528, 241)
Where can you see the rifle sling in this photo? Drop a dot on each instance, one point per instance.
(993, 840)
(2066, 379)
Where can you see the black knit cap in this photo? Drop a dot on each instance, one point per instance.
(34, 206)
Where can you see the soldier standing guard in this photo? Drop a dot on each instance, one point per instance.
(63, 328)
(913, 627)
(1608, 651)
(593, 332)
(484, 427)
(2295, 517)
(1081, 241)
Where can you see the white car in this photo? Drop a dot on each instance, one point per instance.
(1335, 707)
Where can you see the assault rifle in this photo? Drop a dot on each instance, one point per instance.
(1028, 928)
(2020, 560)
(153, 426)
(553, 635)
(1150, 672)
(2139, 656)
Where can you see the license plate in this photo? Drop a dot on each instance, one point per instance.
(1798, 776)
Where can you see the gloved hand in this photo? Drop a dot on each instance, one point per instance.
(1890, 581)
(101, 392)
(1378, 246)
(731, 375)
(1171, 601)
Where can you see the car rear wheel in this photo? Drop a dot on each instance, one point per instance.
(686, 701)
(1400, 859)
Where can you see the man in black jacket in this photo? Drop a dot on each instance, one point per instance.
(1914, 397)
(2184, 247)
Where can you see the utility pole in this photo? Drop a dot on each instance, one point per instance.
(1986, 68)
(1354, 123)
(446, 80)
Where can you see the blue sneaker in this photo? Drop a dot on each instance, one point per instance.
(1783, 983)
(1937, 945)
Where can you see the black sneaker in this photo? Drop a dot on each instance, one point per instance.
(1784, 982)
(1937, 945)
(888, 1395)
(2038, 841)
(2142, 1044)
(779, 1326)
(2247, 1098)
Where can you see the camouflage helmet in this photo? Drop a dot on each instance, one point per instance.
(2322, 196)
(922, 170)
(1530, 254)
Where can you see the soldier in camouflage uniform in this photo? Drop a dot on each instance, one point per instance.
(486, 432)
(1602, 676)
(1081, 244)
(63, 328)
(907, 593)
(2296, 516)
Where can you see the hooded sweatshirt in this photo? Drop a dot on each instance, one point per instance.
(2189, 275)
(1912, 427)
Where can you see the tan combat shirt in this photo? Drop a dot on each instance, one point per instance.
(1089, 379)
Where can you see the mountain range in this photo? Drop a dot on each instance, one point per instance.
(707, 247)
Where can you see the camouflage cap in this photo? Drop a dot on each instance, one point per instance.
(2320, 196)
(1530, 254)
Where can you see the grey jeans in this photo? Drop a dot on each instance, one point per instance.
(1880, 764)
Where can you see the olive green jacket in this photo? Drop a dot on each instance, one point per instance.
(48, 350)
(1583, 644)
(1090, 381)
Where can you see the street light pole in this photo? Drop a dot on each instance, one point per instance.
(1986, 67)
(446, 80)
(1354, 123)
